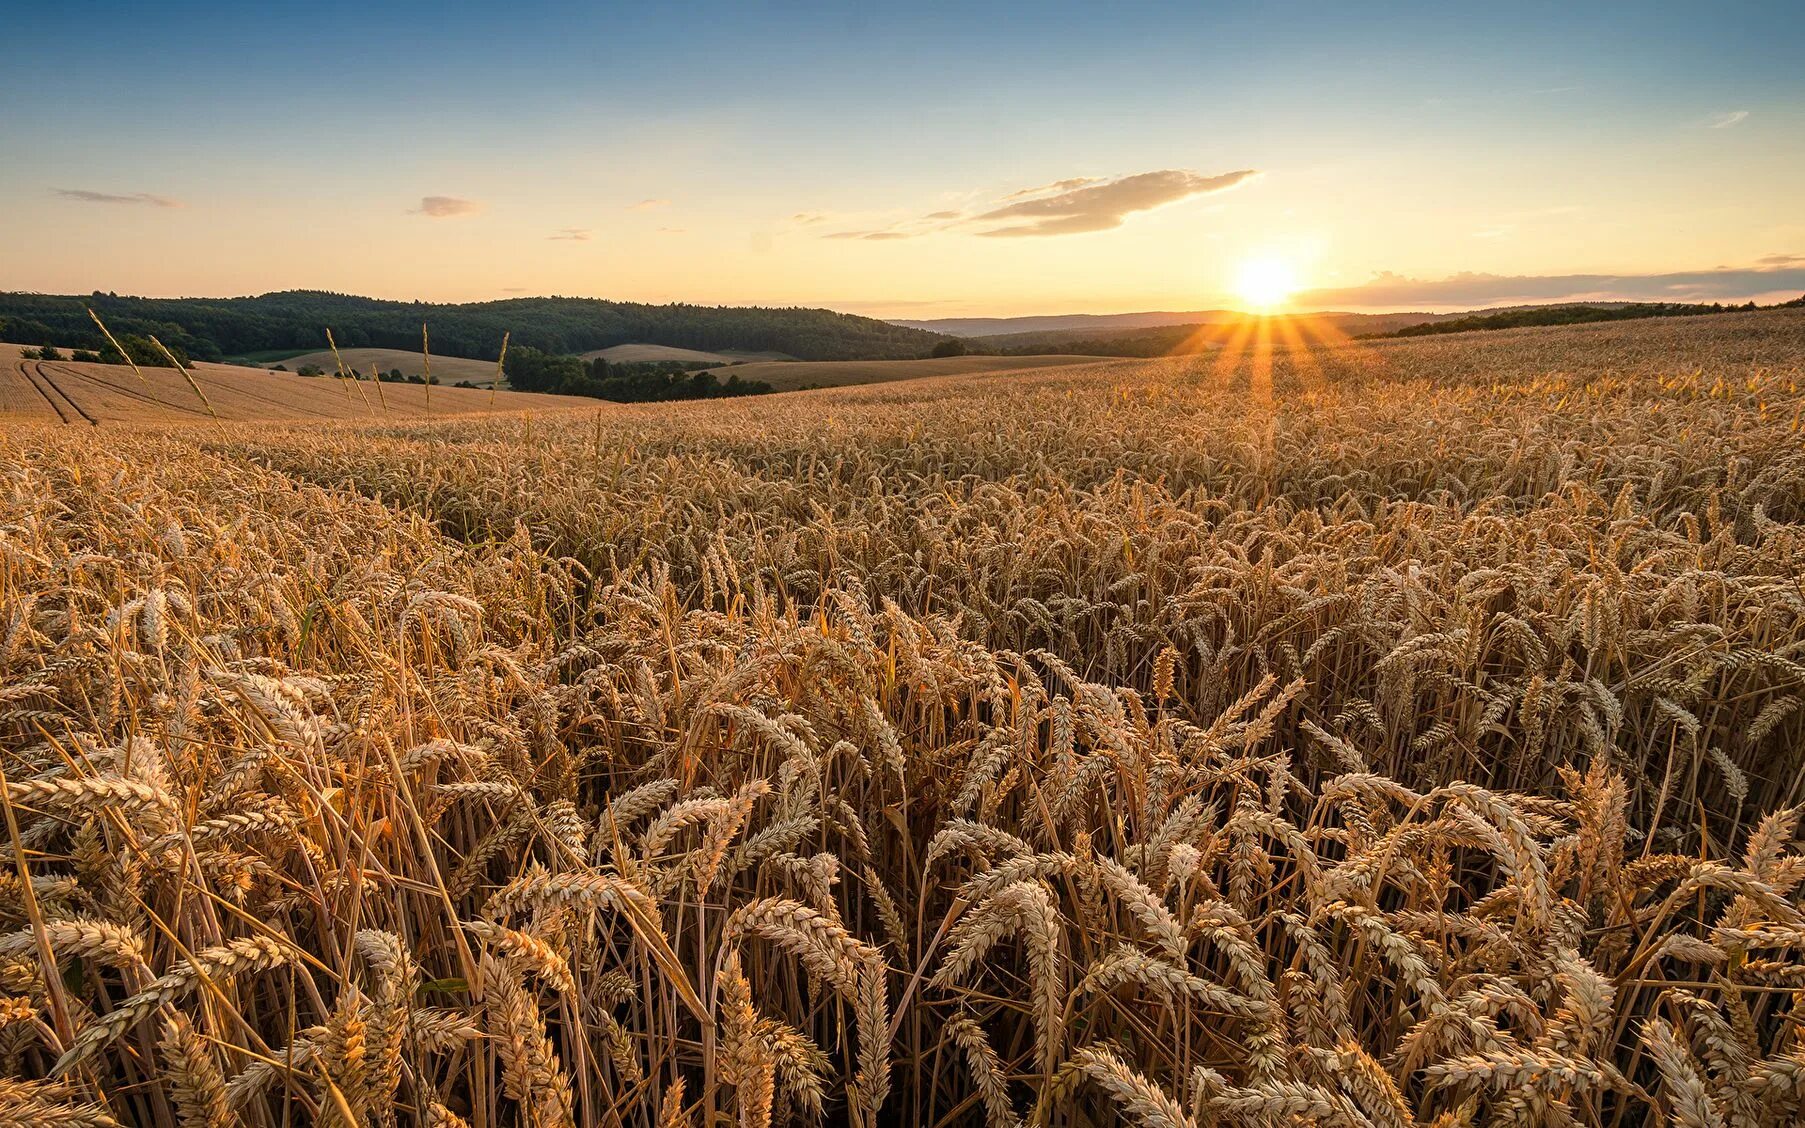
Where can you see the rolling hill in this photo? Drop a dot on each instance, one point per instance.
(54, 391)
(445, 369)
(1082, 326)
(216, 328)
(641, 353)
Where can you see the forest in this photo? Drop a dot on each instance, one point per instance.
(221, 328)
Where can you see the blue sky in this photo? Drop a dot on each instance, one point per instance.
(708, 152)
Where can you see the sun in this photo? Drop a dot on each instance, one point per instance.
(1265, 283)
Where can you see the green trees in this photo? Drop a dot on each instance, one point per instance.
(142, 352)
(1564, 315)
(211, 328)
(531, 370)
(952, 347)
(24, 331)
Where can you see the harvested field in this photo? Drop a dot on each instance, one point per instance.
(445, 369)
(63, 391)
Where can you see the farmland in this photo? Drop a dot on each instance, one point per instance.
(445, 369)
(791, 375)
(1393, 733)
(71, 392)
(643, 353)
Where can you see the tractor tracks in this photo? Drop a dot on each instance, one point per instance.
(66, 409)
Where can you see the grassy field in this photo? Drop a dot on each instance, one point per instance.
(634, 354)
(445, 369)
(1404, 734)
(270, 356)
(66, 392)
(791, 375)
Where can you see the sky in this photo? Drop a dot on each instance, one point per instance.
(915, 161)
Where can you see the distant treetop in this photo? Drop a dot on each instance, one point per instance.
(215, 328)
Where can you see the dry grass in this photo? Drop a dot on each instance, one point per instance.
(1410, 738)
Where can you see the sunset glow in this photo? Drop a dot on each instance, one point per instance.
(1266, 283)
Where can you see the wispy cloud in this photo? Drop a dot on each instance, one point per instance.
(809, 217)
(1102, 206)
(1725, 121)
(1388, 290)
(1056, 186)
(446, 207)
(649, 205)
(673, 231)
(1064, 207)
(87, 196)
(572, 234)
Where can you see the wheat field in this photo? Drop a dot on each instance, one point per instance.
(86, 394)
(1388, 734)
(793, 375)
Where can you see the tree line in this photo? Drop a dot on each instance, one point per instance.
(219, 328)
(1576, 315)
(532, 370)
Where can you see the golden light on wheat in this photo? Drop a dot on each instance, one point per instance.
(1065, 748)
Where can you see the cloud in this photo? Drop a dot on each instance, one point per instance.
(809, 217)
(1064, 207)
(446, 207)
(1725, 121)
(649, 205)
(89, 197)
(1781, 260)
(1467, 290)
(673, 231)
(1056, 186)
(1102, 206)
(572, 234)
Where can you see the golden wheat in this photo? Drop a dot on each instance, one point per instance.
(1418, 744)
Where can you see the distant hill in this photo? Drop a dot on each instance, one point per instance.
(445, 369)
(1518, 317)
(1162, 334)
(641, 353)
(213, 328)
(1090, 323)
(1080, 326)
(1168, 340)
